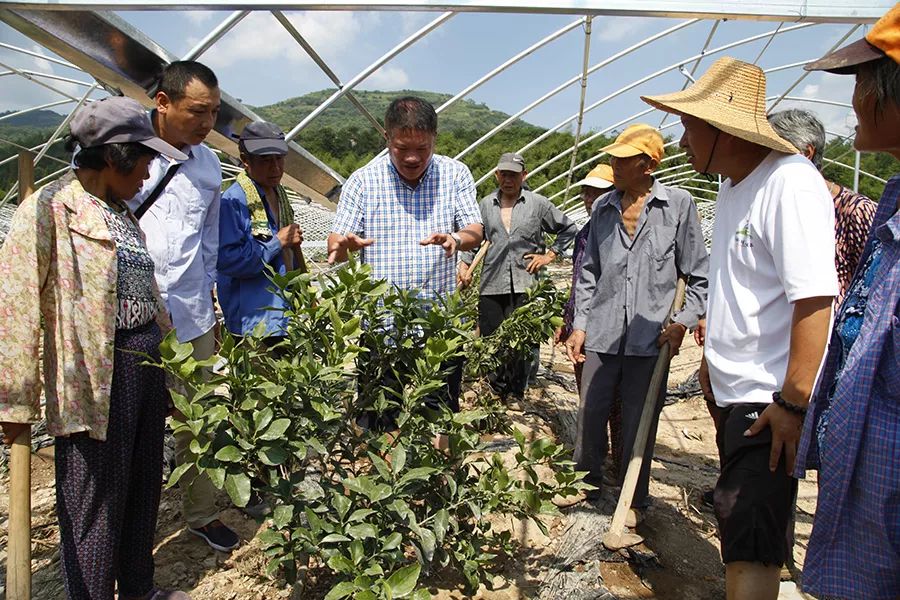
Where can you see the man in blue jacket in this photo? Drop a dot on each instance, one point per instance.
(256, 229)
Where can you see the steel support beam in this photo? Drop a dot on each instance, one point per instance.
(124, 59)
(859, 11)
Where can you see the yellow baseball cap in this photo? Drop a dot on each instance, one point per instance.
(638, 139)
(600, 177)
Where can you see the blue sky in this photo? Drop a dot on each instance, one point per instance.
(260, 63)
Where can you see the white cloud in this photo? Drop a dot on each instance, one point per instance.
(199, 17)
(19, 93)
(261, 37)
(387, 78)
(616, 29)
(838, 120)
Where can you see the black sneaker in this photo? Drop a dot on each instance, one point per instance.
(218, 535)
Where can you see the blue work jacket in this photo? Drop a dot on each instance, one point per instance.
(245, 292)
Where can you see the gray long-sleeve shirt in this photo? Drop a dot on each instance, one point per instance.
(627, 285)
(533, 216)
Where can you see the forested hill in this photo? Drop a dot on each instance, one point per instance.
(345, 140)
(463, 115)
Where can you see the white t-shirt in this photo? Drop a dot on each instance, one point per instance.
(773, 244)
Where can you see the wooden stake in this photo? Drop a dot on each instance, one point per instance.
(18, 561)
(616, 537)
(479, 256)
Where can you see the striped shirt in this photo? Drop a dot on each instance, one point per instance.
(376, 203)
(854, 549)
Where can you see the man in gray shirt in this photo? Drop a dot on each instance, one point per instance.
(643, 236)
(515, 222)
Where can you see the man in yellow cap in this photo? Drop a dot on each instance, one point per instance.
(643, 236)
(772, 281)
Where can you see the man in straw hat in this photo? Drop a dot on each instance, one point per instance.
(852, 431)
(772, 281)
(642, 237)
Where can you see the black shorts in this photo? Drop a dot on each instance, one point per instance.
(753, 505)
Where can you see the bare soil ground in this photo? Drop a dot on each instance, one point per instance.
(678, 560)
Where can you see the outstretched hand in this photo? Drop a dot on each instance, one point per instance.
(444, 240)
(339, 245)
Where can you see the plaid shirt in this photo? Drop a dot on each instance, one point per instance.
(377, 203)
(854, 550)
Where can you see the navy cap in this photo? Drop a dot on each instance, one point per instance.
(261, 138)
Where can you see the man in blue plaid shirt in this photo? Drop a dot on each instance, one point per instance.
(410, 212)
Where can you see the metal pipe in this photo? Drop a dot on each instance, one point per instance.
(784, 10)
(298, 37)
(566, 84)
(40, 83)
(39, 55)
(34, 108)
(584, 75)
(368, 71)
(653, 75)
(64, 124)
(53, 77)
(856, 174)
(524, 53)
(768, 43)
(806, 73)
(216, 34)
(706, 44)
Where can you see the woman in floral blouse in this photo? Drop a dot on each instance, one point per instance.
(76, 258)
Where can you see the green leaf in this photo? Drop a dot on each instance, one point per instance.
(334, 537)
(403, 581)
(360, 514)
(341, 504)
(380, 465)
(217, 476)
(441, 523)
(262, 418)
(398, 458)
(282, 515)
(177, 474)
(229, 454)
(362, 531)
(421, 594)
(238, 487)
(427, 543)
(341, 564)
(276, 430)
(416, 474)
(357, 553)
(216, 414)
(341, 590)
(273, 456)
(391, 542)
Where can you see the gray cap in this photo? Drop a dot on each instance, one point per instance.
(510, 161)
(261, 138)
(118, 120)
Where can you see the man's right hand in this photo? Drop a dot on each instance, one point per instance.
(463, 276)
(12, 430)
(290, 236)
(575, 346)
(700, 332)
(339, 245)
(705, 384)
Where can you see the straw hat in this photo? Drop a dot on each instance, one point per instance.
(730, 96)
(600, 177)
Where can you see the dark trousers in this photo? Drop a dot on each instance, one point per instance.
(107, 493)
(615, 425)
(512, 377)
(604, 377)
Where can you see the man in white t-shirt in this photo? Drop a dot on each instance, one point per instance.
(771, 283)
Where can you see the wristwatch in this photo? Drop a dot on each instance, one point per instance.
(456, 239)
